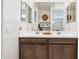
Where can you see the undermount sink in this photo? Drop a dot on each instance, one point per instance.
(47, 33)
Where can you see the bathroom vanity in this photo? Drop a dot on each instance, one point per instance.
(48, 30)
(47, 48)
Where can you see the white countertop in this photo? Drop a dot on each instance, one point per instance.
(64, 34)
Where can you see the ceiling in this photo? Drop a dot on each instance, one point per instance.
(47, 5)
(43, 5)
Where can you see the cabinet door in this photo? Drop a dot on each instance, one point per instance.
(69, 52)
(40, 51)
(26, 51)
(55, 51)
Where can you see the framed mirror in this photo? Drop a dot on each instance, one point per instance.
(23, 11)
(26, 13)
(54, 16)
(71, 12)
(29, 15)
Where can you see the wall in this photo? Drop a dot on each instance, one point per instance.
(24, 25)
(10, 26)
(67, 2)
(73, 25)
(29, 2)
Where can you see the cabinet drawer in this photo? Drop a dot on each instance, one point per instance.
(63, 41)
(69, 41)
(33, 41)
(55, 40)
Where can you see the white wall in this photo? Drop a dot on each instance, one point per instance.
(25, 25)
(67, 2)
(11, 18)
(73, 25)
(29, 2)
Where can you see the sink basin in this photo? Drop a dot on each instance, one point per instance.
(47, 33)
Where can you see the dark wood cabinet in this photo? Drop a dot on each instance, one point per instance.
(69, 52)
(48, 48)
(55, 52)
(40, 52)
(69, 48)
(26, 51)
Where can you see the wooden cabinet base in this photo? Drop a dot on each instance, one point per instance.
(48, 48)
